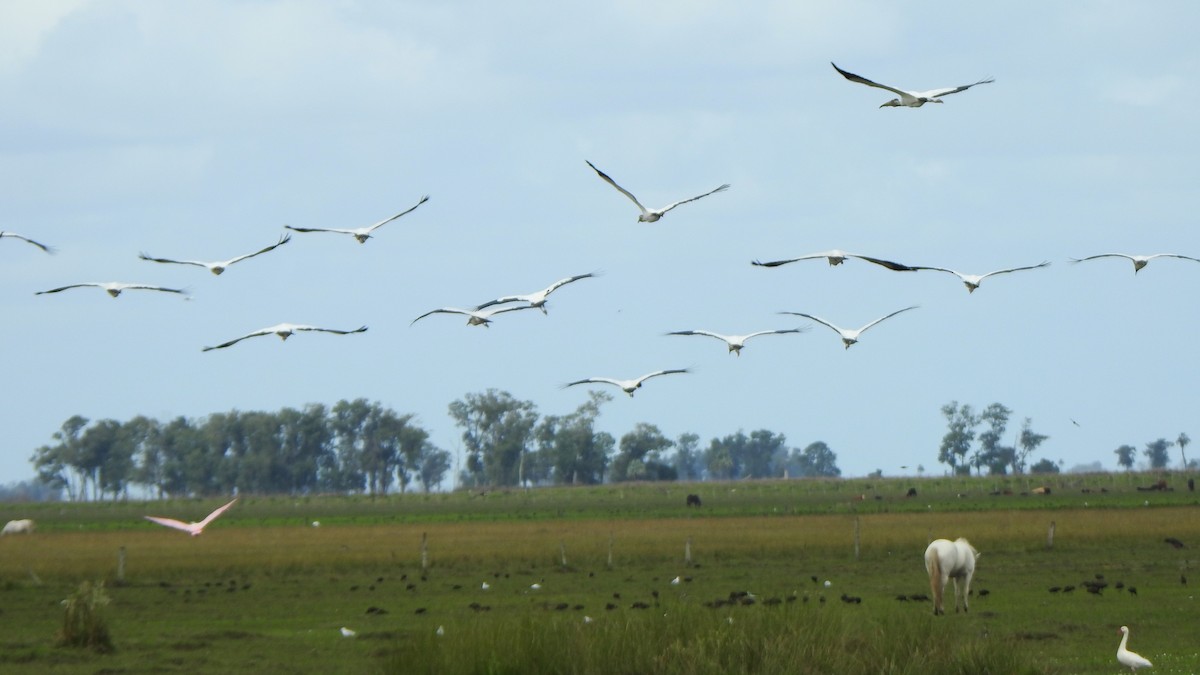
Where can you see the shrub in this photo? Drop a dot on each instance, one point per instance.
(83, 621)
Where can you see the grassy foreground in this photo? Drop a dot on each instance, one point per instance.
(265, 591)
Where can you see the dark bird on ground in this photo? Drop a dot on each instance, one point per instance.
(1174, 542)
(1055, 589)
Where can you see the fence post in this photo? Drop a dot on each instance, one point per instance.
(857, 530)
(562, 552)
(1050, 536)
(424, 551)
(610, 548)
(121, 566)
(687, 552)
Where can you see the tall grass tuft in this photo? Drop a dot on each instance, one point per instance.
(84, 624)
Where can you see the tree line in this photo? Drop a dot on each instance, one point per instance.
(362, 447)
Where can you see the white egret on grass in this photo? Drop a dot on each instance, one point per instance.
(627, 386)
(362, 234)
(1127, 658)
(909, 99)
(849, 337)
(25, 239)
(651, 215)
(218, 266)
(193, 529)
(346, 632)
(537, 298)
(972, 281)
(736, 342)
(284, 331)
(1139, 261)
(115, 288)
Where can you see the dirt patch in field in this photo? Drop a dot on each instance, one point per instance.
(1037, 636)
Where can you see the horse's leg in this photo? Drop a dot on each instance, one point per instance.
(966, 591)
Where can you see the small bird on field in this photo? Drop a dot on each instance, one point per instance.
(346, 632)
(1174, 542)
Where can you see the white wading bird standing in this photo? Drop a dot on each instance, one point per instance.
(284, 331)
(1139, 261)
(114, 288)
(538, 298)
(910, 99)
(849, 337)
(193, 529)
(1127, 658)
(837, 257)
(14, 235)
(627, 386)
(736, 342)
(972, 281)
(651, 215)
(219, 266)
(475, 317)
(362, 234)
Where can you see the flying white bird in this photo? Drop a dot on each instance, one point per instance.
(972, 281)
(1139, 261)
(736, 342)
(284, 331)
(193, 529)
(1128, 658)
(14, 235)
(219, 266)
(910, 99)
(849, 337)
(537, 298)
(346, 632)
(362, 234)
(651, 215)
(475, 317)
(115, 288)
(627, 386)
(837, 257)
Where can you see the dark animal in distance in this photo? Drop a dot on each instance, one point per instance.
(912, 492)
(1174, 542)
(693, 500)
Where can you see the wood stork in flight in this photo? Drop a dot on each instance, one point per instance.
(475, 317)
(972, 281)
(909, 99)
(362, 234)
(1139, 261)
(627, 386)
(14, 235)
(736, 342)
(219, 266)
(837, 257)
(284, 331)
(114, 288)
(651, 215)
(537, 298)
(849, 337)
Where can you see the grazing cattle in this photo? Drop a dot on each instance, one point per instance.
(945, 560)
(1043, 490)
(25, 526)
(912, 492)
(693, 500)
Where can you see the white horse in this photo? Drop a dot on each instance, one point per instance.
(945, 559)
(18, 527)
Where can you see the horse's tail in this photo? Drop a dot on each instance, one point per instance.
(934, 565)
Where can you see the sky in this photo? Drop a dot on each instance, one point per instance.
(197, 130)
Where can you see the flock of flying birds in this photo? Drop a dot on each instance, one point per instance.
(484, 313)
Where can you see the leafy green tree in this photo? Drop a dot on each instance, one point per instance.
(306, 445)
(689, 461)
(433, 463)
(1125, 455)
(570, 450)
(958, 439)
(816, 461)
(1156, 452)
(992, 454)
(1028, 441)
(1044, 466)
(1182, 442)
(497, 430)
(641, 455)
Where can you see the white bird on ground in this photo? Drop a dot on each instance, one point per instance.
(651, 215)
(910, 99)
(837, 257)
(537, 298)
(193, 529)
(535, 587)
(675, 581)
(587, 619)
(218, 266)
(284, 331)
(1128, 658)
(972, 281)
(1139, 261)
(346, 632)
(440, 631)
(115, 288)
(736, 342)
(849, 337)
(627, 386)
(475, 317)
(362, 234)
(14, 235)
(485, 585)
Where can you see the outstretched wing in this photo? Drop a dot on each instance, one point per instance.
(563, 282)
(147, 256)
(882, 318)
(215, 514)
(1174, 255)
(777, 263)
(938, 93)
(818, 319)
(442, 310)
(319, 229)
(1103, 255)
(862, 80)
(1015, 269)
(147, 287)
(282, 240)
(620, 189)
(170, 522)
(723, 338)
(360, 329)
(23, 238)
(661, 372)
(692, 199)
(402, 213)
(596, 380)
(502, 300)
(64, 288)
(264, 331)
(781, 331)
(894, 266)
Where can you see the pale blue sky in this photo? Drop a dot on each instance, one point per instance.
(198, 129)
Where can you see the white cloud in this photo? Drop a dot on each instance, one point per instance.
(24, 27)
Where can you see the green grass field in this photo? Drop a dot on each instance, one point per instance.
(264, 591)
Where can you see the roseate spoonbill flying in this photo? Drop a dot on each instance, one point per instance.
(193, 529)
